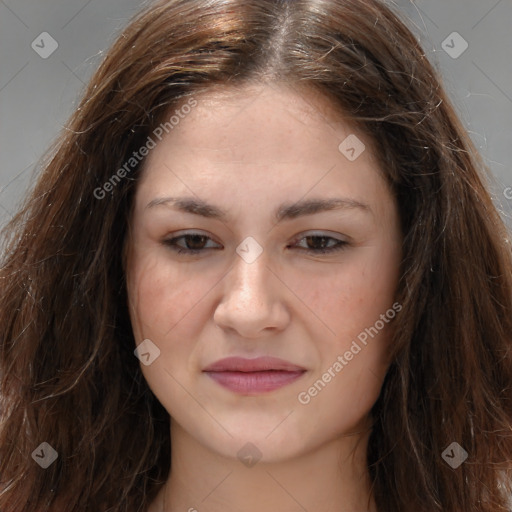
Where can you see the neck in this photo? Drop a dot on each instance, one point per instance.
(333, 477)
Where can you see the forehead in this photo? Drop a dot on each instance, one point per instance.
(256, 142)
(256, 117)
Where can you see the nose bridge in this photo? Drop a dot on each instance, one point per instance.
(250, 303)
(249, 280)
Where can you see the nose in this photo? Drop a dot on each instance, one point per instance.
(253, 300)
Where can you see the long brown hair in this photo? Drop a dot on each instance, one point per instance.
(67, 369)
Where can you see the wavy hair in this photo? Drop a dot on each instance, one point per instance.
(68, 375)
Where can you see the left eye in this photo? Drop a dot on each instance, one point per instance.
(321, 243)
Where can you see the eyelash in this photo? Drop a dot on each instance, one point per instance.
(171, 243)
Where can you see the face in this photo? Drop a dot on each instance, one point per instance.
(261, 233)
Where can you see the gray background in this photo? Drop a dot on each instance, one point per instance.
(38, 94)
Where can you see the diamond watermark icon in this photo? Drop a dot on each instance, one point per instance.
(44, 45)
(454, 45)
(249, 250)
(352, 147)
(147, 352)
(45, 455)
(249, 455)
(454, 455)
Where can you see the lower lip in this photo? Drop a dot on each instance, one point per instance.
(254, 382)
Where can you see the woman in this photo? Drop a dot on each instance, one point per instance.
(273, 206)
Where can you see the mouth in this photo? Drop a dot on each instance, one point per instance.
(253, 376)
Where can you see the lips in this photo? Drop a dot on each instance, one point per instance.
(259, 364)
(253, 376)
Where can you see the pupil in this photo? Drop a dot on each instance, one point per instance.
(196, 241)
(322, 242)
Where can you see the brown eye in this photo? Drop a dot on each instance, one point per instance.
(195, 242)
(191, 243)
(320, 244)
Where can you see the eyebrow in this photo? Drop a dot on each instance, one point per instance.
(286, 211)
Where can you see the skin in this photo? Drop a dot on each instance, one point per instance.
(247, 152)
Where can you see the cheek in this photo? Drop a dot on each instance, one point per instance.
(354, 361)
(166, 304)
(162, 296)
(352, 297)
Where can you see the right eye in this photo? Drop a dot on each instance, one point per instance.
(190, 243)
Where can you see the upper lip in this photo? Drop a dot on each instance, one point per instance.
(258, 364)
